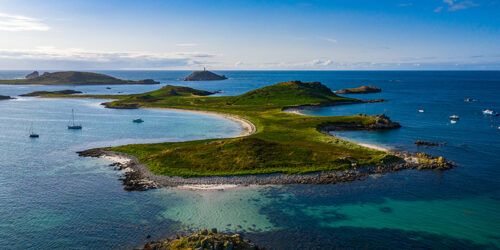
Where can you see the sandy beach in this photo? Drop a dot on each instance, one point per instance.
(248, 127)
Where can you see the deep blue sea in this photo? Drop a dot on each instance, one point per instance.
(51, 198)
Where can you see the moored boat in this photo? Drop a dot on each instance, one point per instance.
(490, 112)
(72, 124)
(454, 117)
(139, 120)
(32, 133)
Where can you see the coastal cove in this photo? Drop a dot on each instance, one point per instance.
(387, 209)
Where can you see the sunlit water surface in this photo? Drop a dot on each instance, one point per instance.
(51, 198)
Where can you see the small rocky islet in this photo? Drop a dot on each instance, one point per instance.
(206, 239)
(6, 97)
(204, 75)
(360, 90)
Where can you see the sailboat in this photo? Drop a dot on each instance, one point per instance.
(32, 133)
(73, 125)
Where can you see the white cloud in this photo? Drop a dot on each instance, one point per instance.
(454, 5)
(330, 39)
(438, 9)
(10, 22)
(187, 44)
(74, 57)
(405, 4)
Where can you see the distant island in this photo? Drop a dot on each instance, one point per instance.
(5, 97)
(58, 92)
(204, 75)
(360, 90)
(72, 78)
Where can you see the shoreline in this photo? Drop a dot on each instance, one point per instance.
(248, 127)
(138, 177)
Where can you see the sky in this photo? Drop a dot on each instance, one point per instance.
(250, 35)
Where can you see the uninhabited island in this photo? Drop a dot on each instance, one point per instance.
(6, 97)
(276, 147)
(204, 75)
(72, 78)
(206, 239)
(360, 90)
(57, 92)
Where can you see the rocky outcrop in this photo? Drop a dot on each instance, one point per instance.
(360, 90)
(206, 239)
(5, 97)
(59, 92)
(380, 122)
(426, 143)
(204, 76)
(32, 75)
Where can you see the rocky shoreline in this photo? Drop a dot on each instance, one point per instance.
(137, 176)
(206, 239)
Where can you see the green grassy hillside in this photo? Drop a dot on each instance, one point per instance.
(284, 142)
(74, 78)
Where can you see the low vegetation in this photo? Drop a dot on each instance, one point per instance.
(360, 90)
(75, 78)
(284, 142)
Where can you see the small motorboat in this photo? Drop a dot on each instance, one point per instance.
(453, 121)
(469, 100)
(421, 111)
(490, 112)
(138, 120)
(454, 117)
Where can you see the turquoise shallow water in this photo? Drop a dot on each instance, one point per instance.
(50, 197)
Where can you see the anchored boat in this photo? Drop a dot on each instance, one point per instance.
(454, 117)
(72, 124)
(490, 112)
(32, 133)
(138, 120)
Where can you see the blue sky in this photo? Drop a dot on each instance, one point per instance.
(261, 35)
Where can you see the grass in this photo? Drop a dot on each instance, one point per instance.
(284, 142)
(74, 77)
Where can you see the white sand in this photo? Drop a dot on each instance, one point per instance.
(208, 187)
(117, 159)
(248, 127)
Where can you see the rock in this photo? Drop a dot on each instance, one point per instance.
(204, 76)
(204, 232)
(425, 143)
(213, 230)
(360, 90)
(32, 75)
(5, 97)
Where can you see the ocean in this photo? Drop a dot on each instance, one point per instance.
(51, 198)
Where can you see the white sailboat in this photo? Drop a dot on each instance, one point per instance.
(72, 124)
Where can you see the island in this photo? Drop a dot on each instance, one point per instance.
(206, 239)
(204, 75)
(276, 147)
(48, 93)
(5, 97)
(360, 90)
(72, 78)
